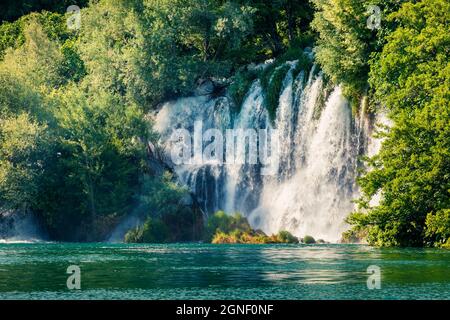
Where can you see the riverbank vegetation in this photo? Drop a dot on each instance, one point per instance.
(403, 66)
(73, 105)
(224, 228)
(73, 130)
(219, 228)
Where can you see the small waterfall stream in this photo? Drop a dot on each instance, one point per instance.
(319, 146)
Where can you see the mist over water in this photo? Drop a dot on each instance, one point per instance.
(320, 145)
(19, 228)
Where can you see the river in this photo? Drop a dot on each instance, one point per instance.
(205, 271)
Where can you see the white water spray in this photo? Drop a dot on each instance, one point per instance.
(313, 191)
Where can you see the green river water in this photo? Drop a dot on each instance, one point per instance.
(204, 271)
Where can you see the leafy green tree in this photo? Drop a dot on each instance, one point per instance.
(11, 9)
(438, 228)
(46, 59)
(16, 96)
(413, 63)
(37, 61)
(23, 149)
(12, 34)
(344, 44)
(150, 50)
(103, 142)
(96, 158)
(162, 195)
(163, 198)
(412, 171)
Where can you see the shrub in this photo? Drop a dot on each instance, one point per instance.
(221, 222)
(286, 237)
(223, 228)
(152, 231)
(220, 237)
(354, 235)
(308, 240)
(438, 227)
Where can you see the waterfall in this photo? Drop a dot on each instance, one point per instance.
(320, 143)
(242, 182)
(317, 197)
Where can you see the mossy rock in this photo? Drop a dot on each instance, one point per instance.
(308, 240)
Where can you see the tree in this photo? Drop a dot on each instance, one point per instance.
(412, 170)
(152, 231)
(277, 25)
(23, 149)
(37, 62)
(438, 228)
(16, 96)
(11, 9)
(148, 51)
(100, 151)
(345, 44)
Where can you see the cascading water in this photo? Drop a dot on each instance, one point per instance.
(320, 142)
(316, 198)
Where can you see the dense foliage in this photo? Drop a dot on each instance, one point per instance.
(70, 153)
(73, 131)
(411, 174)
(12, 9)
(346, 43)
(223, 228)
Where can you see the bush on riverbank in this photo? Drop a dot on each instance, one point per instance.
(222, 223)
(438, 228)
(222, 228)
(354, 236)
(153, 231)
(253, 237)
(308, 240)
